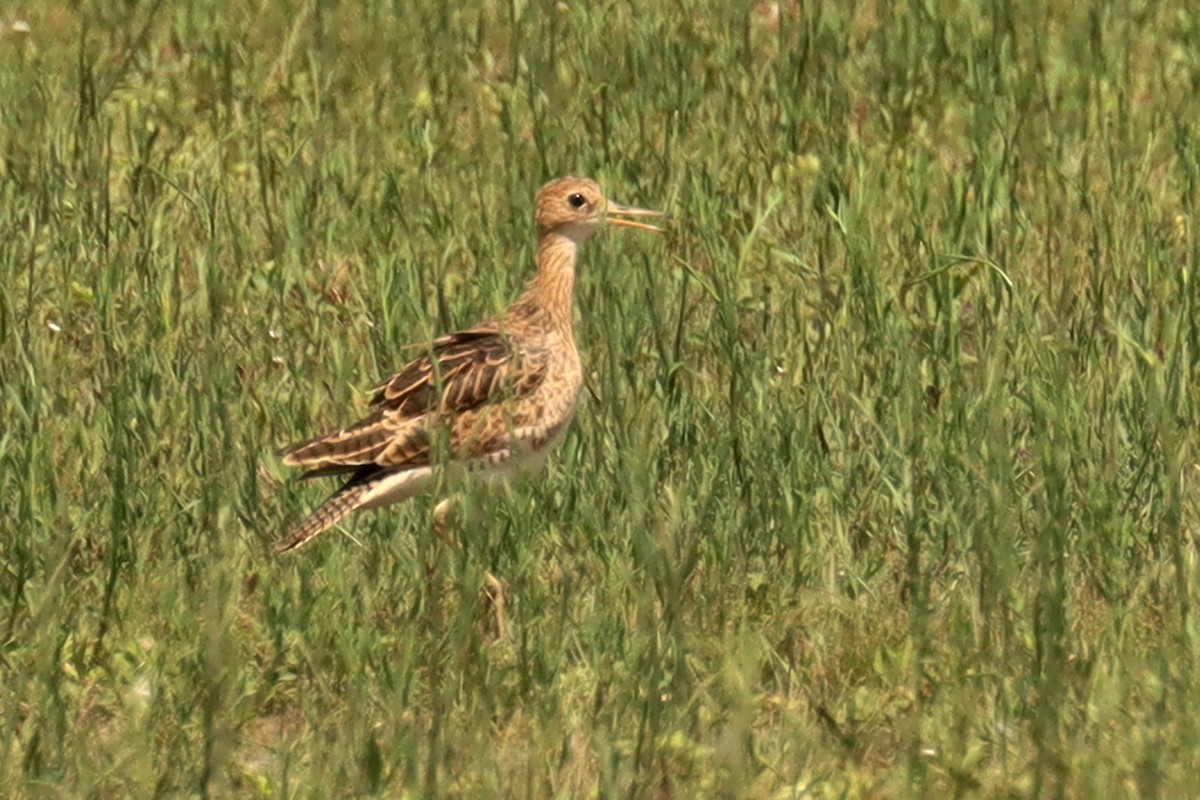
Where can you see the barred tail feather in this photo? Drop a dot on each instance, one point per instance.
(328, 514)
(367, 488)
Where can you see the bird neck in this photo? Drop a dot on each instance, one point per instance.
(553, 288)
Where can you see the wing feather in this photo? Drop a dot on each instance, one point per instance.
(456, 384)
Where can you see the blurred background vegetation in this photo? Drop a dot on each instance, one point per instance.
(884, 484)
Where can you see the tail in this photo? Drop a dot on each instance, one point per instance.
(328, 514)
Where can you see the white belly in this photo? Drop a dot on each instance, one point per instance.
(532, 445)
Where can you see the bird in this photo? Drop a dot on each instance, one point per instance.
(485, 402)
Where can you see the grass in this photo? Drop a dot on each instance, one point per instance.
(886, 479)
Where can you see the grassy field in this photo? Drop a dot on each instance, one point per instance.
(886, 479)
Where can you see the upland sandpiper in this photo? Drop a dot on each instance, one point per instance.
(484, 402)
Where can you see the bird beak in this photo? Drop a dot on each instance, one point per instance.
(614, 214)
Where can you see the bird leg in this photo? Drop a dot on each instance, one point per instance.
(494, 590)
(495, 593)
(441, 512)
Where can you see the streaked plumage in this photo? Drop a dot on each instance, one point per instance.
(484, 400)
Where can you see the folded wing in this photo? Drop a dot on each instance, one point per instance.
(460, 387)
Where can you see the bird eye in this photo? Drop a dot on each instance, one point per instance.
(576, 200)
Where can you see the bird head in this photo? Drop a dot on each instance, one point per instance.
(577, 208)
